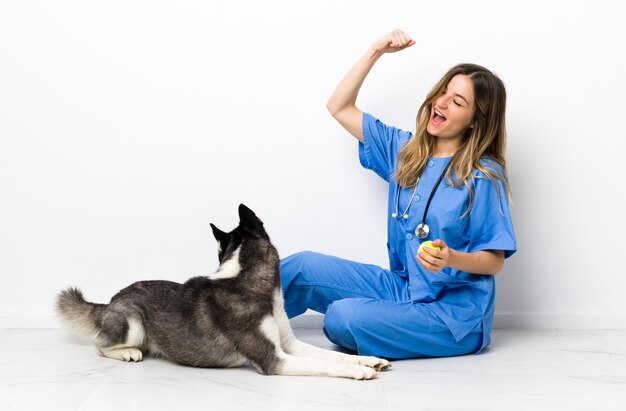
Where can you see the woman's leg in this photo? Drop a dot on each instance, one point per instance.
(393, 330)
(314, 280)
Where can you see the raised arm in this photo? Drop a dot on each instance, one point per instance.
(342, 104)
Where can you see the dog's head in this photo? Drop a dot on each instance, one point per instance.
(250, 228)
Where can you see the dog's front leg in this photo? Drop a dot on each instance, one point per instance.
(289, 364)
(295, 347)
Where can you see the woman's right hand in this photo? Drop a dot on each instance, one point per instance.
(394, 41)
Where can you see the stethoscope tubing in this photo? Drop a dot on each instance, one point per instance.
(405, 214)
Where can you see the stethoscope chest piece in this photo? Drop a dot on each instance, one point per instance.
(422, 230)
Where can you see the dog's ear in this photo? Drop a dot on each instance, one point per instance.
(219, 235)
(247, 218)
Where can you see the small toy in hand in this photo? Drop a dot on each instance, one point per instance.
(425, 245)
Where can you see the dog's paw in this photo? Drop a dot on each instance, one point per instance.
(131, 354)
(383, 365)
(364, 373)
(376, 363)
(123, 354)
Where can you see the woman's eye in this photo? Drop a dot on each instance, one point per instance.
(456, 103)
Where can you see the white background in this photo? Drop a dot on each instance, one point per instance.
(127, 126)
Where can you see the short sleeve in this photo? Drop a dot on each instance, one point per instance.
(490, 224)
(380, 147)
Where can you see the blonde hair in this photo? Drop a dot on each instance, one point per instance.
(485, 140)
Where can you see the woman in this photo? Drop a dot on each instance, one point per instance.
(447, 183)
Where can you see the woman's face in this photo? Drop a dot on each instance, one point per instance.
(452, 112)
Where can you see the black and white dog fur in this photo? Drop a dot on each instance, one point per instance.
(225, 319)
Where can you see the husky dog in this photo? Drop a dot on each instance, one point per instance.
(230, 317)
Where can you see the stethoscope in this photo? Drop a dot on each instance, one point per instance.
(422, 229)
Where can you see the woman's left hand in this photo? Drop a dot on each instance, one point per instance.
(434, 260)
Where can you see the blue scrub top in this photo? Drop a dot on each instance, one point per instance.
(463, 301)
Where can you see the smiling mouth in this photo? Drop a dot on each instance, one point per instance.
(437, 117)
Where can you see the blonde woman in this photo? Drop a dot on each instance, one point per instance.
(448, 184)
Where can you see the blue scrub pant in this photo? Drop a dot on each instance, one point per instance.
(368, 309)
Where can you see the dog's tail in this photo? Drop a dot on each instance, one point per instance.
(82, 317)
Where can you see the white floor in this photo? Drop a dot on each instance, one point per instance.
(47, 369)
